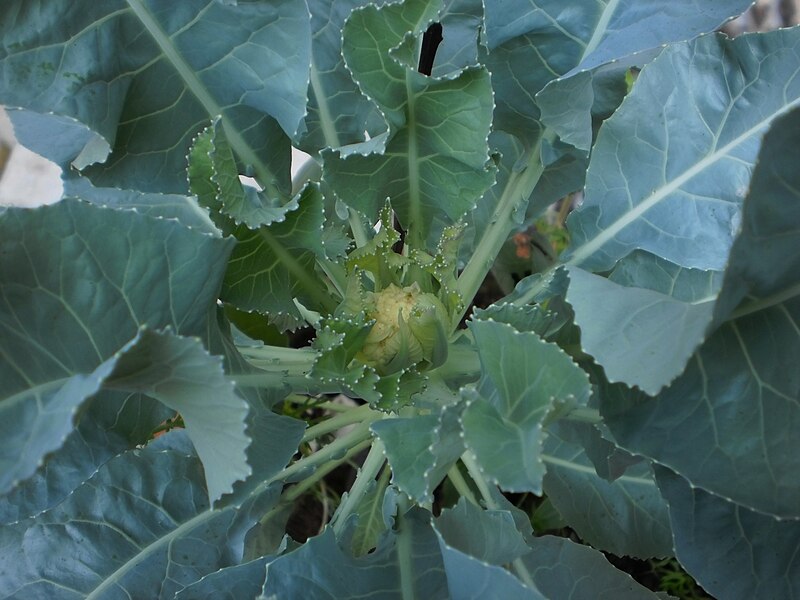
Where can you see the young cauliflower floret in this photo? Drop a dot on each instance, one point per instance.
(409, 328)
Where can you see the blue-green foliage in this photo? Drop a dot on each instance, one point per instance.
(645, 382)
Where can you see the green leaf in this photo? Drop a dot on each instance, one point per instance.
(617, 29)
(141, 526)
(656, 329)
(670, 178)
(755, 555)
(111, 422)
(737, 401)
(138, 78)
(338, 113)
(433, 161)
(165, 206)
(421, 449)
(525, 53)
(406, 564)
(275, 439)
(763, 268)
(370, 524)
(231, 583)
(337, 342)
(469, 578)
(214, 177)
(639, 336)
(182, 375)
(272, 265)
(529, 317)
(488, 535)
(522, 378)
(644, 270)
(59, 330)
(627, 517)
(461, 21)
(563, 569)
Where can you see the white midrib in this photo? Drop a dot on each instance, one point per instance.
(566, 464)
(590, 247)
(765, 303)
(600, 29)
(325, 118)
(35, 390)
(199, 90)
(148, 551)
(415, 211)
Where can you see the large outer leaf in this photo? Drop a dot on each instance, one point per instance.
(736, 408)
(627, 517)
(522, 378)
(181, 374)
(641, 337)
(110, 423)
(527, 52)
(142, 76)
(475, 543)
(432, 164)
(470, 578)
(670, 168)
(406, 564)
(139, 528)
(644, 322)
(185, 209)
(644, 270)
(489, 535)
(619, 28)
(77, 282)
(338, 113)
(563, 569)
(731, 551)
(461, 21)
(238, 582)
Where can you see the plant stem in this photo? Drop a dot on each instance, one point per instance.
(474, 471)
(301, 488)
(518, 189)
(335, 273)
(308, 171)
(307, 402)
(366, 474)
(341, 445)
(279, 357)
(357, 228)
(404, 551)
(475, 474)
(363, 413)
(584, 415)
(278, 367)
(461, 485)
(462, 364)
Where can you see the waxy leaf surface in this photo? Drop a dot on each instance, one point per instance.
(522, 377)
(619, 28)
(754, 555)
(671, 167)
(433, 160)
(139, 78)
(738, 400)
(89, 279)
(141, 527)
